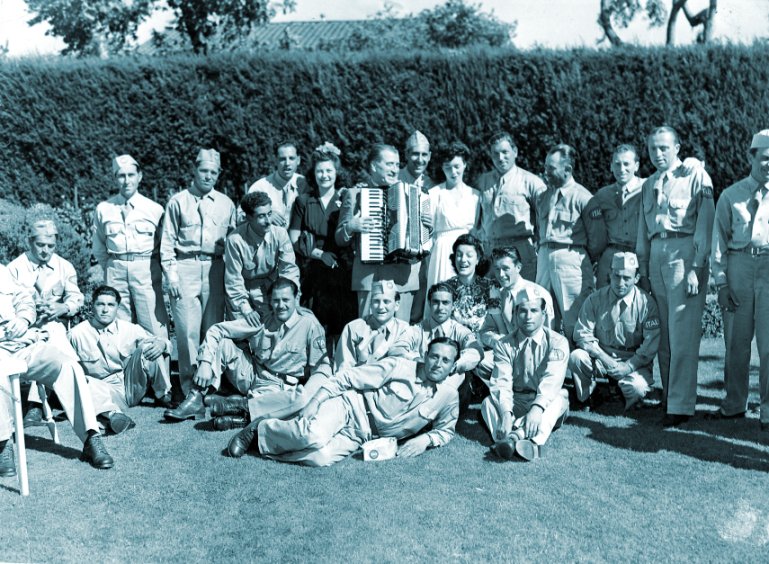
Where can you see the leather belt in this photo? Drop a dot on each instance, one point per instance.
(754, 251)
(671, 235)
(567, 246)
(623, 248)
(197, 256)
(130, 256)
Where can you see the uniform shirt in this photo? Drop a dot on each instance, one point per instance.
(252, 263)
(360, 343)
(742, 221)
(422, 180)
(399, 400)
(542, 376)
(15, 301)
(55, 281)
(126, 226)
(565, 218)
(103, 352)
(281, 193)
(414, 342)
(672, 202)
(501, 321)
(295, 349)
(628, 329)
(195, 224)
(619, 207)
(508, 209)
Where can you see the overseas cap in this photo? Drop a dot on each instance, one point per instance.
(43, 228)
(383, 287)
(624, 261)
(123, 161)
(760, 140)
(528, 294)
(209, 156)
(417, 139)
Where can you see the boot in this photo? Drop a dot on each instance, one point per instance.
(241, 442)
(95, 453)
(227, 422)
(235, 405)
(7, 466)
(119, 422)
(34, 416)
(191, 408)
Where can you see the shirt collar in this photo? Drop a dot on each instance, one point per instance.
(277, 181)
(509, 174)
(758, 188)
(538, 337)
(112, 328)
(34, 265)
(293, 320)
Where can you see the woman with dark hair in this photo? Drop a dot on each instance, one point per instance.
(473, 292)
(326, 267)
(455, 207)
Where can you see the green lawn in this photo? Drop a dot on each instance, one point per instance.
(611, 488)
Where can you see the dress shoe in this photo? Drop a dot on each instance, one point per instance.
(95, 453)
(241, 442)
(505, 449)
(227, 422)
(630, 403)
(7, 466)
(674, 419)
(718, 416)
(165, 401)
(764, 426)
(191, 408)
(34, 416)
(235, 405)
(528, 449)
(119, 422)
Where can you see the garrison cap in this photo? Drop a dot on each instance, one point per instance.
(123, 161)
(761, 140)
(43, 228)
(417, 139)
(383, 287)
(528, 294)
(209, 156)
(624, 261)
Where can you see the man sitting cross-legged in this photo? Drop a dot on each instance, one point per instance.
(369, 339)
(46, 365)
(394, 397)
(413, 344)
(526, 401)
(617, 335)
(279, 363)
(119, 359)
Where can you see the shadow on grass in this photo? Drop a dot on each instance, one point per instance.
(640, 437)
(46, 444)
(470, 426)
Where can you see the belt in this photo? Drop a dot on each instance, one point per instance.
(371, 423)
(130, 256)
(198, 256)
(754, 251)
(622, 349)
(624, 248)
(568, 246)
(671, 235)
(501, 241)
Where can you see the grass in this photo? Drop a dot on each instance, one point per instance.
(610, 488)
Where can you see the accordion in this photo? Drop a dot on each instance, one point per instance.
(399, 235)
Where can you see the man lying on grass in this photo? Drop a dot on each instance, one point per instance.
(394, 397)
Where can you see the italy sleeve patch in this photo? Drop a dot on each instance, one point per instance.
(652, 323)
(596, 213)
(556, 355)
(707, 192)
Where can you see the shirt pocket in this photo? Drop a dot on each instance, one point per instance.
(144, 229)
(112, 228)
(741, 232)
(610, 214)
(220, 224)
(678, 209)
(7, 311)
(516, 206)
(92, 363)
(190, 228)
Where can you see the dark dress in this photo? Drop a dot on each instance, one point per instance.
(326, 291)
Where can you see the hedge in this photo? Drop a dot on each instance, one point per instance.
(62, 120)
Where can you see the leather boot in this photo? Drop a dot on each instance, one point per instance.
(227, 422)
(241, 442)
(235, 405)
(7, 466)
(119, 422)
(95, 453)
(34, 416)
(191, 408)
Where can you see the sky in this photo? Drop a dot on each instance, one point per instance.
(548, 23)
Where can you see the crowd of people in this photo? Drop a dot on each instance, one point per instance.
(285, 334)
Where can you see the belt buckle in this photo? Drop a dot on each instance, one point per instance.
(664, 235)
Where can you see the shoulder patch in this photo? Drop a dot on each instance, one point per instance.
(319, 343)
(707, 192)
(596, 213)
(653, 323)
(556, 354)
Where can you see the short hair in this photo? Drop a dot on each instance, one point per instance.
(665, 129)
(447, 152)
(286, 143)
(105, 290)
(376, 151)
(470, 241)
(445, 341)
(501, 136)
(440, 287)
(626, 148)
(567, 152)
(283, 282)
(254, 200)
(506, 252)
(319, 156)
(542, 304)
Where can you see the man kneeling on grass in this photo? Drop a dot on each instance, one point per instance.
(526, 401)
(394, 397)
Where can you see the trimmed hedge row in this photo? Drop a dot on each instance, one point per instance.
(62, 120)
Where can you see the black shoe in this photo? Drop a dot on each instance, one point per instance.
(764, 426)
(119, 422)
(165, 401)
(227, 422)
(34, 416)
(674, 420)
(241, 442)
(7, 465)
(191, 408)
(95, 453)
(718, 416)
(505, 449)
(234, 405)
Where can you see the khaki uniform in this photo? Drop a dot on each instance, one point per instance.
(674, 236)
(509, 213)
(280, 368)
(112, 361)
(125, 243)
(423, 180)
(627, 330)
(191, 252)
(741, 259)
(252, 264)
(500, 322)
(360, 343)
(46, 364)
(386, 399)
(528, 371)
(282, 193)
(619, 207)
(569, 232)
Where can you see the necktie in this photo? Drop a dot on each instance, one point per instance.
(659, 188)
(41, 285)
(124, 210)
(507, 305)
(527, 357)
(379, 343)
(438, 332)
